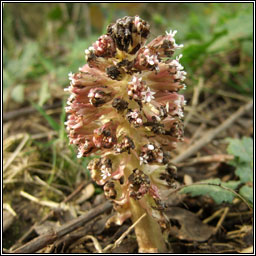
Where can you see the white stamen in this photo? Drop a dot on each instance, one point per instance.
(171, 33)
(167, 107)
(151, 147)
(80, 154)
(104, 172)
(136, 20)
(148, 95)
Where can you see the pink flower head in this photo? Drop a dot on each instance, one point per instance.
(124, 107)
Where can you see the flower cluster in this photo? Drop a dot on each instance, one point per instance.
(124, 106)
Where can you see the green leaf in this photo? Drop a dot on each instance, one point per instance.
(237, 28)
(241, 26)
(243, 152)
(55, 13)
(247, 47)
(44, 94)
(55, 126)
(27, 59)
(20, 66)
(62, 131)
(212, 189)
(47, 63)
(243, 149)
(232, 184)
(244, 172)
(159, 19)
(8, 79)
(247, 193)
(17, 93)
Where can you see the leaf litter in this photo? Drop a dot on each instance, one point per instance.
(38, 161)
(27, 169)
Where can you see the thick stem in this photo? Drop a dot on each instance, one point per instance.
(148, 232)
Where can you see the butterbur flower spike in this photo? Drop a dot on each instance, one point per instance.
(124, 107)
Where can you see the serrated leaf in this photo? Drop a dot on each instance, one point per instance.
(247, 193)
(244, 172)
(243, 149)
(232, 184)
(212, 189)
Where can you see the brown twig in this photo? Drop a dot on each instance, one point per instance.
(76, 191)
(197, 133)
(207, 159)
(212, 133)
(233, 95)
(37, 243)
(45, 239)
(64, 242)
(67, 199)
(27, 110)
(195, 98)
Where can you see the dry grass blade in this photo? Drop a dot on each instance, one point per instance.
(195, 98)
(233, 95)
(223, 216)
(16, 152)
(239, 232)
(43, 240)
(49, 204)
(212, 133)
(45, 184)
(213, 216)
(25, 111)
(94, 240)
(247, 250)
(121, 238)
(9, 209)
(207, 159)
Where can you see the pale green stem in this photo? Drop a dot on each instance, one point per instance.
(148, 232)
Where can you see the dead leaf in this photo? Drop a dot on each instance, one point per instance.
(87, 192)
(188, 179)
(46, 227)
(99, 226)
(186, 225)
(99, 199)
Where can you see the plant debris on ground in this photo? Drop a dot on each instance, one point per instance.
(50, 204)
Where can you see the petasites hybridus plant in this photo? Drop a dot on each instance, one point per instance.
(124, 107)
